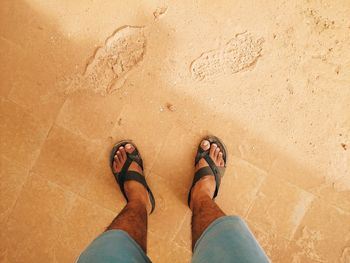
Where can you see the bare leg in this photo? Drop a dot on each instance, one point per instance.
(204, 209)
(133, 218)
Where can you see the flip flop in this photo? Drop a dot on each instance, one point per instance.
(125, 175)
(212, 169)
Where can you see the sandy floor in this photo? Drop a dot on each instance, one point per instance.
(271, 78)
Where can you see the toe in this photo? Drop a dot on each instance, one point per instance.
(220, 159)
(116, 158)
(205, 145)
(123, 153)
(212, 150)
(119, 155)
(116, 162)
(216, 153)
(129, 148)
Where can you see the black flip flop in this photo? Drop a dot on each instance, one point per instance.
(125, 175)
(212, 169)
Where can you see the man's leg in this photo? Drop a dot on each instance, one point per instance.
(126, 236)
(133, 218)
(204, 212)
(215, 236)
(204, 209)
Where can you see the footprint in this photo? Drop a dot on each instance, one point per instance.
(239, 53)
(109, 65)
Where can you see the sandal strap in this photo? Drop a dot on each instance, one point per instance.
(122, 176)
(200, 154)
(212, 169)
(216, 171)
(125, 168)
(204, 171)
(135, 176)
(135, 156)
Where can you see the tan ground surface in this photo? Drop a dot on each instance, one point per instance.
(271, 78)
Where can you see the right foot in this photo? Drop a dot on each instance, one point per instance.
(205, 187)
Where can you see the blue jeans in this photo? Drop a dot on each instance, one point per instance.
(227, 239)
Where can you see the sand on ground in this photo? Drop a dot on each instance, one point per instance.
(270, 78)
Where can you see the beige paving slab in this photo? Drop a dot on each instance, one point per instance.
(286, 115)
(235, 136)
(239, 188)
(11, 56)
(290, 170)
(21, 14)
(21, 134)
(84, 222)
(170, 207)
(175, 161)
(322, 236)
(12, 178)
(101, 188)
(161, 250)
(144, 122)
(270, 212)
(202, 120)
(3, 238)
(254, 149)
(272, 243)
(183, 236)
(178, 254)
(91, 116)
(37, 90)
(67, 159)
(46, 62)
(335, 193)
(40, 201)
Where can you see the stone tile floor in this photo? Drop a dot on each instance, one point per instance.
(56, 189)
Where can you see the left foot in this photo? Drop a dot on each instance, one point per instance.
(133, 189)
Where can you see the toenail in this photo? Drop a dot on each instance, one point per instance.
(128, 146)
(205, 143)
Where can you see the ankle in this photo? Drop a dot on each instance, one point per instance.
(137, 204)
(137, 194)
(201, 192)
(138, 199)
(198, 201)
(205, 187)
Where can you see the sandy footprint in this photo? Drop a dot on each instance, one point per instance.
(109, 65)
(239, 53)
